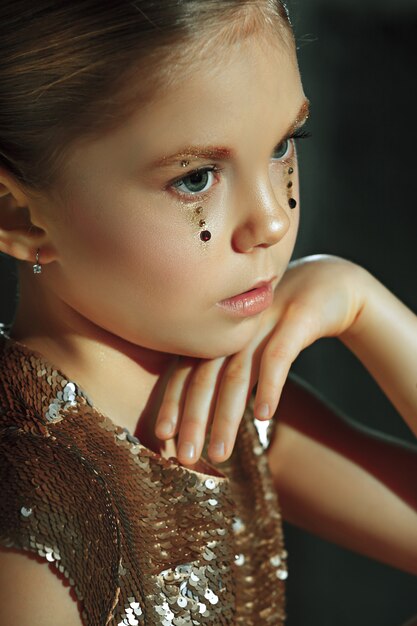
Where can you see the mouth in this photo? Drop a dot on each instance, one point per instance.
(251, 302)
(258, 285)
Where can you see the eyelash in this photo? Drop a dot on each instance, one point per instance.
(299, 134)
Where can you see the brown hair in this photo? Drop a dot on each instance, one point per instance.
(74, 70)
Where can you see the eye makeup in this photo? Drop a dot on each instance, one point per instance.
(199, 196)
(292, 202)
(205, 235)
(222, 153)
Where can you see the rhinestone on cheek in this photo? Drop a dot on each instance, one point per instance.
(205, 235)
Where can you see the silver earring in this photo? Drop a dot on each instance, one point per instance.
(37, 267)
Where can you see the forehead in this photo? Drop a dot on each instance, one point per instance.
(215, 55)
(225, 96)
(225, 79)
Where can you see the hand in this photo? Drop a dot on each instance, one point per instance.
(318, 296)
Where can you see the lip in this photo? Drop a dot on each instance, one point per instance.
(250, 302)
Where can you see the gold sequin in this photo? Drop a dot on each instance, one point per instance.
(141, 538)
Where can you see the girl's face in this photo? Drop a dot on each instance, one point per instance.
(128, 251)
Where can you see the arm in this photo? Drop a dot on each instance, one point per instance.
(343, 482)
(50, 476)
(31, 592)
(384, 338)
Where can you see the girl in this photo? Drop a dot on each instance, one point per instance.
(150, 194)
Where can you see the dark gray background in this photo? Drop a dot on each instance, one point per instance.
(357, 59)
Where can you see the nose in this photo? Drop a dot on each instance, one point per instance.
(262, 220)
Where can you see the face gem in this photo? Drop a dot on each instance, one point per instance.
(205, 235)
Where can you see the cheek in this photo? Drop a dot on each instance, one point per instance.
(129, 247)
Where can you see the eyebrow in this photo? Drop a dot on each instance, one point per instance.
(221, 152)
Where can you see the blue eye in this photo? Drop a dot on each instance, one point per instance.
(283, 149)
(200, 181)
(196, 181)
(285, 145)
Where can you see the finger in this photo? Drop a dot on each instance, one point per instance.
(295, 332)
(202, 387)
(167, 421)
(234, 390)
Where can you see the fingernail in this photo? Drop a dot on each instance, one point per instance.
(262, 410)
(187, 450)
(165, 428)
(217, 448)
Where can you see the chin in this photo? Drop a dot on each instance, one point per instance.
(218, 349)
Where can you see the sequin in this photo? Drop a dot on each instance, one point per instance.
(140, 538)
(26, 511)
(262, 428)
(238, 525)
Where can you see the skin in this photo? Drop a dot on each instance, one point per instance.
(164, 284)
(119, 231)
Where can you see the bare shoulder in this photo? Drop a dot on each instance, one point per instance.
(31, 593)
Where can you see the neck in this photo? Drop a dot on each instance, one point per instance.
(124, 381)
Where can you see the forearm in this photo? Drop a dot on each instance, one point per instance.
(384, 338)
(343, 482)
(343, 500)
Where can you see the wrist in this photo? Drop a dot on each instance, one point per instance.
(365, 289)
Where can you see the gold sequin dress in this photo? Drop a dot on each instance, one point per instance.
(142, 539)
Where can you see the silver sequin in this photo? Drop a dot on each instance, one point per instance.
(262, 428)
(237, 525)
(26, 511)
(63, 399)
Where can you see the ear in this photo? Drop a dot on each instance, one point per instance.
(21, 230)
